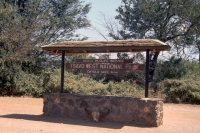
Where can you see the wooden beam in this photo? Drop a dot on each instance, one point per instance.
(108, 51)
(130, 50)
(147, 74)
(62, 72)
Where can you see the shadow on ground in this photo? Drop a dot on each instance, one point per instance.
(70, 121)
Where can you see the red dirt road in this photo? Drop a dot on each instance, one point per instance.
(24, 115)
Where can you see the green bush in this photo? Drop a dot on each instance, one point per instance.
(181, 90)
(83, 84)
(177, 80)
(174, 68)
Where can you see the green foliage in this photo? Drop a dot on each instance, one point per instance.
(174, 68)
(54, 19)
(104, 56)
(193, 41)
(122, 56)
(21, 83)
(83, 84)
(177, 68)
(181, 90)
(177, 80)
(73, 57)
(28, 84)
(159, 19)
(25, 25)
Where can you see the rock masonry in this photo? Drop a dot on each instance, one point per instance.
(127, 110)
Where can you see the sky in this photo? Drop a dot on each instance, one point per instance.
(107, 7)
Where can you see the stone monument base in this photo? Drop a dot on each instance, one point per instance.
(128, 110)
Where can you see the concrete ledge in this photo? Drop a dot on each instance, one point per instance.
(128, 110)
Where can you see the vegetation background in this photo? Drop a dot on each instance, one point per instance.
(26, 70)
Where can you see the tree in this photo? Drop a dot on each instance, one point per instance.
(104, 56)
(25, 25)
(165, 20)
(122, 56)
(193, 41)
(190, 42)
(197, 44)
(58, 19)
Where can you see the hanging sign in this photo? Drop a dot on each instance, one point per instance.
(104, 66)
(104, 60)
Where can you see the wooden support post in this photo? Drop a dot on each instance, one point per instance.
(147, 75)
(62, 71)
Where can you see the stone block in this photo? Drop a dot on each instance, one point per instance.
(128, 110)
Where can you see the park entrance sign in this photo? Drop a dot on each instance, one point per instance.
(75, 47)
(104, 66)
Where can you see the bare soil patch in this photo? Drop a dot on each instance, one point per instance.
(24, 115)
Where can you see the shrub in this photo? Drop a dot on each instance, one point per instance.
(174, 68)
(181, 90)
(83, 84)
(177, 68)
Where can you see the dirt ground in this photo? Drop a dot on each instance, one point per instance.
(24, 115)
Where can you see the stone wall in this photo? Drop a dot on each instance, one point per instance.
(145, 111)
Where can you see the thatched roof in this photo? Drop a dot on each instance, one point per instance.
(138, 45)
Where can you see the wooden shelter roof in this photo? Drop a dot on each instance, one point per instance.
(137, 45)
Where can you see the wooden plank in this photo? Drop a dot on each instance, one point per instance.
(105, 66)
(98, 71)
(102, 66)
(105, 60)
(135, 67)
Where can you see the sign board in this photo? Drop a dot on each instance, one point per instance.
(104, 66)
(118, 72)
(104, 60)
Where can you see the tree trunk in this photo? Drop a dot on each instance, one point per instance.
(153, 62)
(199, 56)
(199, 53)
